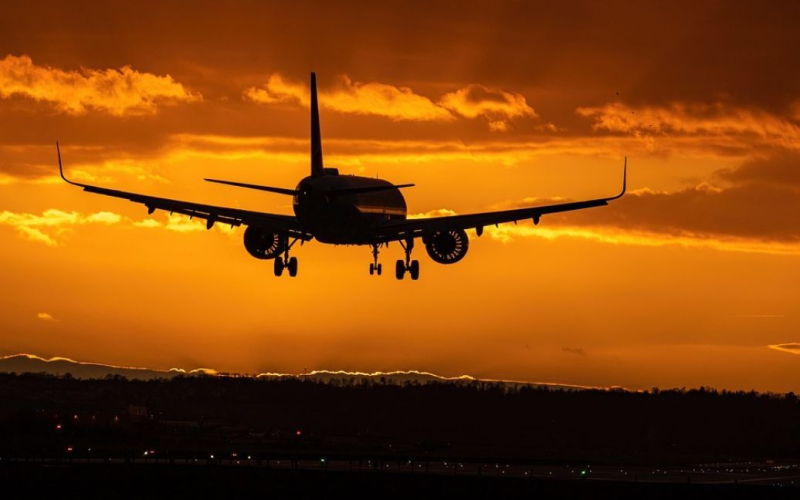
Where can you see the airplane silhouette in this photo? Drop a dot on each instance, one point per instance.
(345, 209)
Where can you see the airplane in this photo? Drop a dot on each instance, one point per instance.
(344, 210)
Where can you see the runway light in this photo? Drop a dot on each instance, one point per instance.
(58, 427)
(298, 432)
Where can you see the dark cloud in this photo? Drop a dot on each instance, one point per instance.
(762, 203)
(781, 169)
(649, 52)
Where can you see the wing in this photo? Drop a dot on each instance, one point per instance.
(400, 230)
(210, 213)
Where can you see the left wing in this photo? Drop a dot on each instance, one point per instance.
(400, 230)
(210, 213)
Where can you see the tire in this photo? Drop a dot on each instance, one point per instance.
(413, 270)
(380, 269)
(371, 269)
(400, 269)
(278, 266)
(292, 266)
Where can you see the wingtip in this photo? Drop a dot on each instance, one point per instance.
(624, 182)
(625, 175)
(61, 167)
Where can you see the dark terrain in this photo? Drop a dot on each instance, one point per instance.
(291, 437)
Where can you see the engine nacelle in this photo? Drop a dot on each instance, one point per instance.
(262, 243)
(447, 247)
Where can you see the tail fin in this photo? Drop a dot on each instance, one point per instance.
(316, 139)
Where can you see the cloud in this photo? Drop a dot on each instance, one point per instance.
(355, 153)
(119, 92)
(53, 223)
(439, 212)
(181, 224)
(396, 103)
(752, 207)
(702, 211)
(614, 236)
(574, 350)
(277, 90)
(401, 103)
(694, 119)
(791, 347)
(45, 316)
(148, 223)
(781, 168)
(795, 109)
(498, 106)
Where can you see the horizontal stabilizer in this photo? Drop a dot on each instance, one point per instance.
(293, 192)
(290, 192)
(368, 189)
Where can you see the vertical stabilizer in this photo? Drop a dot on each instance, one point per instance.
(316, 138)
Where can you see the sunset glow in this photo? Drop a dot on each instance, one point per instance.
(690, 279)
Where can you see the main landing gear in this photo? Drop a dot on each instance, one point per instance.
(375, 267)
(411, 266)
(286, 262)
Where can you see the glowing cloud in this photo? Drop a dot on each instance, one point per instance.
(278, 90)
(46, 228)
(615, 236)
(181, 224)
(401, 103)
(496, 105)
(687, 118)
(439, 212)
(791, 347)
(118, 92)
(45, 317)
(396, 103)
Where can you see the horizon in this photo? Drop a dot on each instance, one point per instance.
(689, 280)
(321, 375)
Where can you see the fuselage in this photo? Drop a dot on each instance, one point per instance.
(346, 218)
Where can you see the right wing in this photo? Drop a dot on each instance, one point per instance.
(210, 213)
(413, 228)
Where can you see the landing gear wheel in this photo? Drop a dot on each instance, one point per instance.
(278, 266)
(292, 266)
(413, 270)
(375, 268)
(400, 269)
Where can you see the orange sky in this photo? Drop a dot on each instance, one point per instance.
(686, 281)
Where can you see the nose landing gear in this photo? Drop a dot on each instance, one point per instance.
(410, 266)
(375, 267)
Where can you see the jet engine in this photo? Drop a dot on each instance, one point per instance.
(447, 247)
(262, 243)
